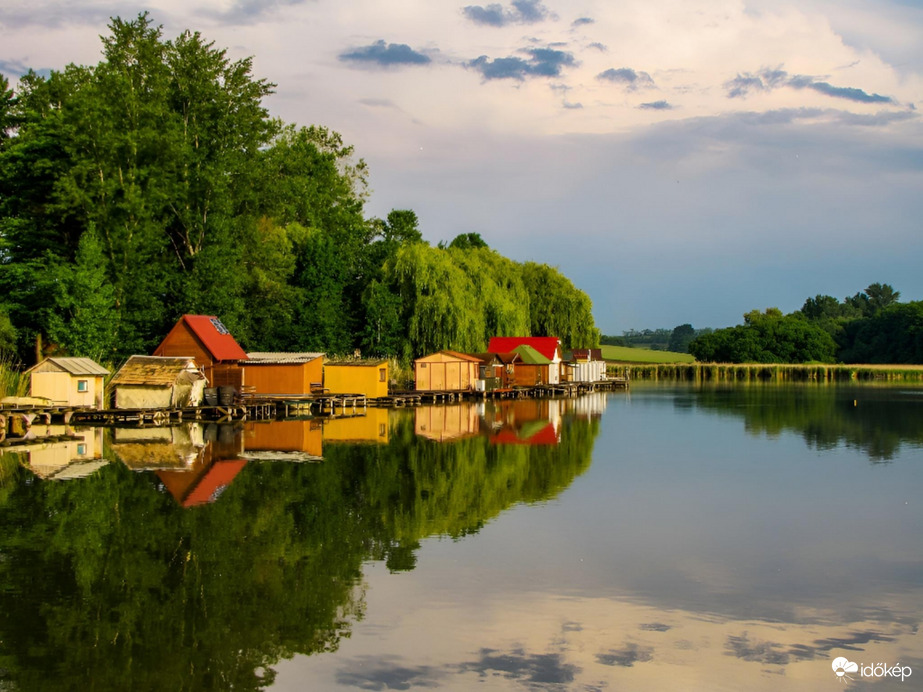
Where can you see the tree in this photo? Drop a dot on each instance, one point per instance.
(680, 338)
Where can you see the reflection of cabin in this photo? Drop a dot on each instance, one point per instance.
(289, 436)
(583, 365)
(443, 423)
(70, 381)
(446, 371)
(373, 427)
(368, 377)
(206, 339)
(150, 449)
(152, 382)
(283, 373)
(534, 433)
(212, 472)
(65, 459)
(548, 346)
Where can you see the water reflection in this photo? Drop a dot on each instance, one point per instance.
(197, 559)
(876, 420)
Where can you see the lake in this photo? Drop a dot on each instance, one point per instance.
(669, 537)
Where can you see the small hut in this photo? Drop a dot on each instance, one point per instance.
(496, 370)
(532, 368)
(155, 382)
(583, 365)
(548, 346)
(367, 377)
(78, 382)
(446, 371)
(208, 341)
(283, 373)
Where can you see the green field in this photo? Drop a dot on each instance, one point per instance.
(624, 354)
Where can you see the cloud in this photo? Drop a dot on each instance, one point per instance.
(381, 54)
(13, 68)
(627, 657)
(601, 47)
(50, 15)
(249, 10)
(543, 62)
(582, 21)
(521, 12)
(386, 673)
(767, 80)
(626, 76)
(656, 106)
(536, 669)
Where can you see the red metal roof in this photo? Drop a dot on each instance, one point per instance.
(215, 337)
(508, 436)
(546, 345)
(215, 482)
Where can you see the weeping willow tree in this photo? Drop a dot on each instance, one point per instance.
(459, 297)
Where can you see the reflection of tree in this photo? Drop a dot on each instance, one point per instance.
(109, 584)
(875, 420)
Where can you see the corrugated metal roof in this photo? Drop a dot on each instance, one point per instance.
(546, 345)
(75, 366)
(281, 358)
(215, 337)
(358, 363)
(157, 371)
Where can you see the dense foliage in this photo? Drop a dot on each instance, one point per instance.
(156, 184)
(869, 327)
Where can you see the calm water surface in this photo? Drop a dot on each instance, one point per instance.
(672, 537)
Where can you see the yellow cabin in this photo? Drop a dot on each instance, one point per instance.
(367, 377)
(374, 427)
(77, 382)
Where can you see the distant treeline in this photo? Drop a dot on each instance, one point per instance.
(869, 327)
(156, 184)
(676, 339)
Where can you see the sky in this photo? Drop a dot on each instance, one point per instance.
(681, 161)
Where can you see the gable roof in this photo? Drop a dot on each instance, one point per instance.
(546, 345)
(454, 354)
(530, 356)
(74, 366)
(214, 336)
(156, 371)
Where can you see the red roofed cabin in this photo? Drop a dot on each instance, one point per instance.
(548, 346)
(204, 338)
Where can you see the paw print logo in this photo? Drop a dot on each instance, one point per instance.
(842, 666)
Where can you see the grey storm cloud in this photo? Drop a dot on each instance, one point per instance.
(767, 80)
(656, 106)
(543, 62)
(520, 12)
(381, 54)
(627, 77)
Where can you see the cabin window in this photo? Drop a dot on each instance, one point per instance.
(83, 385)
(422, 366)
(382, 429)
(382, 375)
(219, 327)
(81, 449)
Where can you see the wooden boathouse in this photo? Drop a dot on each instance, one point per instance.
(446, 371)
(76, 382)
(208, 341)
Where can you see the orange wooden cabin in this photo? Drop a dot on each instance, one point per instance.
(284, 373)
(206, 339)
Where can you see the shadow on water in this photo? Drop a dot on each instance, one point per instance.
(196, 558)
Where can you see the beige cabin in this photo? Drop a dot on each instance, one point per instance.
(155, 382)
(77, 382)
(446, 371)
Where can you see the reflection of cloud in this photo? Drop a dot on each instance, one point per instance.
(768, 79)
(626, 657)
(544, 62)
(519, 665)
(383, 54)
(386, 673)
(521, 12)
(655, 627)
(774, 653)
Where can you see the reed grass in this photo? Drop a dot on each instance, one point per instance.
(770, 372)
(13, 382)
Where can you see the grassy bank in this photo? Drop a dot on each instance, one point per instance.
(626, 354)
(758, 372)
(12, 381)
